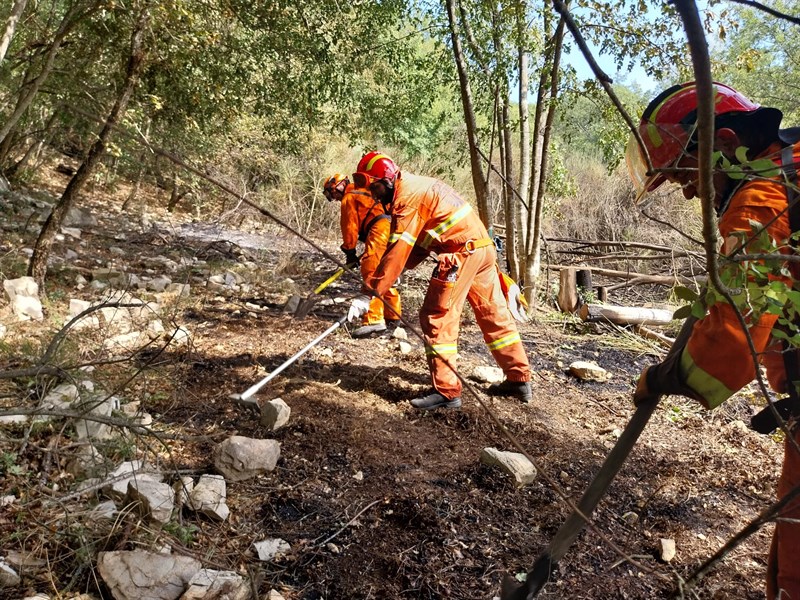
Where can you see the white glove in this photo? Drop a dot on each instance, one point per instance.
(516, 307)
(358, 307)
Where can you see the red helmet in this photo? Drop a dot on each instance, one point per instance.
(335, 183)
(667, 129)
(378, 166)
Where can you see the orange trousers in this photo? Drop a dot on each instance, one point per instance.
(476, 282)
(374, 249)
(783, 569)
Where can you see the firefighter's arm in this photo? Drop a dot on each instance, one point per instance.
(406, 227)
(349, 223)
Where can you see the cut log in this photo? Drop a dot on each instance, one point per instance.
(568, 300)
(583, 279)
(624, 315)
(602, 293)
(668, 280)
(654, 335)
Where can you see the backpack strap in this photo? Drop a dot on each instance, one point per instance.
(364, 231)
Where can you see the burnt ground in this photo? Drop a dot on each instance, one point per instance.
(380, 501)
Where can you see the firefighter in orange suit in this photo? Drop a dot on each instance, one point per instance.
(363, 219)
(717, 361)
(428, 217)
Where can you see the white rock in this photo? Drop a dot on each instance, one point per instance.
(667, 549)
(104, 511)
(208, 584)
(158, 284)
(182, 290)
(8, 576)
(405, 347)
(72, 232)
(3, 330)
(269, 549)
(76, 306)
(22, 286)
(116, 318)
(275, 414)
(486, 374)
(70, 255)
(61, 397)
(275, 595)
(208, 497)
(181, 336)
(513, 463)
(27, 309)
(589, 371)
(117, 485)
(137, 574)
(239, 458)
(400, 334)
(79, 217)
(154, 499)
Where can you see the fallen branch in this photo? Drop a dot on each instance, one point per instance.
(624, 315)
(654, 335)
(668, 280)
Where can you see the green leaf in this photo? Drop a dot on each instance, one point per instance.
(683, 312)
(684, 293)
(741, 154)
(698, 310)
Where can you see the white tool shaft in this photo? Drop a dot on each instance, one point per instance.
(253, 389)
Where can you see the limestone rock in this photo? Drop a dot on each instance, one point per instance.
(79, 217)
(155, 499)
(158, 284)
(275, 595)
(182, 290)
(8, 576)
(24, 296)
(513, 463)
(116, 318)
(589, 371)
(208, 584)
(3, 330)
(275, 414)
(486, 374)
(239, 458)
(292, 303)
(137, 574)
(405, 347)
(98, 405)
(400, 334)
(269, 549)
(117, 481)
(667, 549)
(208, 497)
(180, 337)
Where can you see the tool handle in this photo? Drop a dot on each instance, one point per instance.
(253, 389)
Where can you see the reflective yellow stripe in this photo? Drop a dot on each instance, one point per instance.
(511, 338)
(441, 349)
(394, 237)
(708, 387)
(436, 232)
(374, 159)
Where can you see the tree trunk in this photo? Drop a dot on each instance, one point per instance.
(533, 259)
(524, 123)
(27, 95)
(35, 149)
(11, 25)
(478, 178)
(41, 251)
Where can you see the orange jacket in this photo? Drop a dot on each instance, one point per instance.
(358, 210)
(427, 216)
(717, 361)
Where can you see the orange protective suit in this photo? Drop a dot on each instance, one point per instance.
(363, 219)
(429, 216)
(717, 362)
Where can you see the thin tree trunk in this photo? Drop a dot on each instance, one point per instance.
(36, 147)
(510, 205)
(478, 178)
(524, 122)
(27, 95)
(11, 25)
(41, 251)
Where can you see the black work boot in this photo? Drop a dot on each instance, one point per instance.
(516, 389)
(435, 400)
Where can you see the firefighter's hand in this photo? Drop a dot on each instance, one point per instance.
(350, 257)
(642, 392)
(358, 307)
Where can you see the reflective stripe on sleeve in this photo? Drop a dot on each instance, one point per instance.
(441, 349)
(405, 237)
(708, 387)
(507, 340)
(436, 232)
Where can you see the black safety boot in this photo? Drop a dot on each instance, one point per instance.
(516, 389)
(435, 400)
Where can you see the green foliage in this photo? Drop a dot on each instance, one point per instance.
(182, 532)
(761, 57)
(8, 464)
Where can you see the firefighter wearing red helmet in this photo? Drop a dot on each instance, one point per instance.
(364, 220)
(429, 217)
(717, 360)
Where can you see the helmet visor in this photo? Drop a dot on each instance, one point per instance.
(666, 144)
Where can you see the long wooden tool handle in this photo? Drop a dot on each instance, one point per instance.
(568, 532)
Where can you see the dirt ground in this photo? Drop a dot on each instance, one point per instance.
(378, 500)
